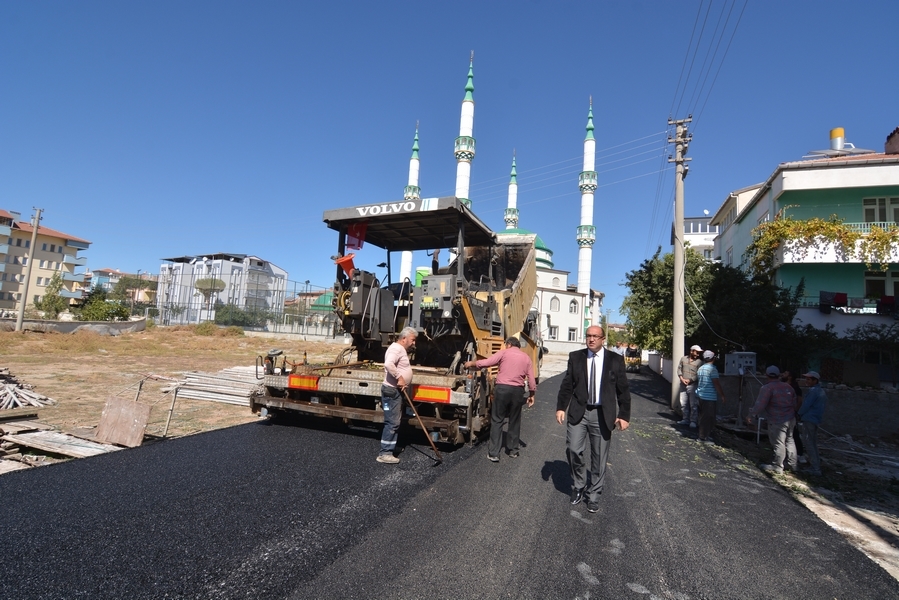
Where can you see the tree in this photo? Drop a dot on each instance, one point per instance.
(52, 303)
(97, 307)
(726, 309)
(747, 313)
(208, 286)
(229, 314)
(650, 304)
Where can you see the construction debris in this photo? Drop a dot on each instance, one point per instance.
(123, 422)
(55, 442)
(232, 386)
(15, 394)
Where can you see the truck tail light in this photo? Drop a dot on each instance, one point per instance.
(303, 382)
(430, 393)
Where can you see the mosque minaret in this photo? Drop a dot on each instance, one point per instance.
(586, 232)
(511, 215)
(464, 148)
(411, 192)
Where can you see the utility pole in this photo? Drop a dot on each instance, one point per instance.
(681, 142)
(20, 318)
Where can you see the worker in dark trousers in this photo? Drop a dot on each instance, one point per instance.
(515, 368)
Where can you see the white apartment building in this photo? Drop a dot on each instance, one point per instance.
(250, 283)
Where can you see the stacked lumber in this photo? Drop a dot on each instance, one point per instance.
(15, 394)
(231, 386)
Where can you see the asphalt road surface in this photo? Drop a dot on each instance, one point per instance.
(304, 511)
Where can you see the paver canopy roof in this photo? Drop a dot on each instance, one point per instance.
(422, 224)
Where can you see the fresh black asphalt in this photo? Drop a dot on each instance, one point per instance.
(302, 510)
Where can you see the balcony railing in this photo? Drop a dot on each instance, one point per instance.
(865, 228)
(78, 261)
(72, 277)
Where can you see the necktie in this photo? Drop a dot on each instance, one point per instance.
(592, 380)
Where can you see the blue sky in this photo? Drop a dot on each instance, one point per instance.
(158, 129)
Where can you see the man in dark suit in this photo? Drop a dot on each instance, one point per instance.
(597, 399)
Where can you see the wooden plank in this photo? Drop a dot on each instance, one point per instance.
(17, 414)
(55, 442)
(23, 426)
(123, 422)
(8, 466)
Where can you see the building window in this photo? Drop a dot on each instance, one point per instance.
(28, 243)
(729, 257)
(763, 218)
(875, 284)
(37, 299)
(554, 304)
(572, 308)
(556, 282)
(553, 332)
(881, 210)
(44, 247)
(572, 334)
(18, 241)
(707, 254)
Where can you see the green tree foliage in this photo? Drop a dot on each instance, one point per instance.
(749, 313)
(742, 313)
(97, 307)
(229, 314)
(129, 286)
(52, 303)
(208, 286)
(649, 305)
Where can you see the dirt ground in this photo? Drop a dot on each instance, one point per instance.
(858, 493)
(80, 371)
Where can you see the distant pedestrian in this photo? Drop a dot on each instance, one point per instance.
(709, 391)
(397, 377)
(686, 372)
(515, 368)
(777, 402)
(811, 413)
(789, 378)
(596, 398)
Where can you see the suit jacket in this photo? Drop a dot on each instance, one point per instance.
(614, 390)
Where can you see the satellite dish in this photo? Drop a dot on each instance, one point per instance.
(705, 212)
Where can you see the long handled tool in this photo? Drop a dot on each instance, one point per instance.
(415, 412)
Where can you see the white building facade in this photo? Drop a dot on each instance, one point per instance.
(250, 283)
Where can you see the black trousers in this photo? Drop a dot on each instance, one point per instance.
(507, 403)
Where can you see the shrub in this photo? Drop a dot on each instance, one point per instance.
(207, 328)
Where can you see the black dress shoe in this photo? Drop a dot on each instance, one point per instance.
(577, 495)
(592, 507)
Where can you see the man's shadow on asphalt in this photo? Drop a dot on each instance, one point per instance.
(560, 474)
